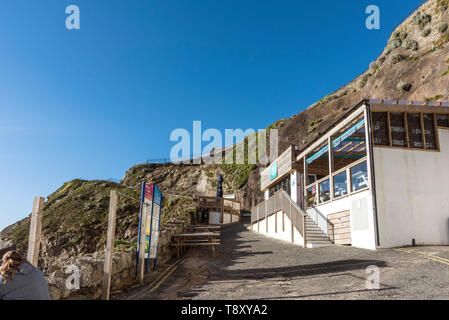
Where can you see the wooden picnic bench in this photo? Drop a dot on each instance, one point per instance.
(203, 228)
(183, 240)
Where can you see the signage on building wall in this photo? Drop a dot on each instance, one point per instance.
(274, 171)
(280, 167)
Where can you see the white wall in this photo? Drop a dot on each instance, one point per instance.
(227, 217)
(214, 217)
(360, 207)
(412, 189)
(294, 186)
(285, 235)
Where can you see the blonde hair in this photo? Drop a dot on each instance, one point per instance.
(11, 263)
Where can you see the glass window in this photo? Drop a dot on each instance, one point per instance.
(311, 196)
(340, 184)
(311, 178)
(429, 131)
(359, 176)
(414, 130)
(318, 164)
(284, 185)
(397, 127)
(380, 129)
(325, 191)
(349, 145)
(443, 120)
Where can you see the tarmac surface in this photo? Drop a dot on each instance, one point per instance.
(248, 265)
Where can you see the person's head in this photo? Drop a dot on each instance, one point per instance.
(10, 263)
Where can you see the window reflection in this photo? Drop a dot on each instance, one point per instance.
(340, 184)
(359, 176)
(349, 145)
(325, 191)
(311, 196)
(284, 184)
(347, 151)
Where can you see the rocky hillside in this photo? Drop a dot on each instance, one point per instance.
(75, 220)
(414, 65)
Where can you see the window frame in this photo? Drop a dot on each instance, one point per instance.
(442, 113)
(316, 184)
(408, 147)
(405, 127)
(351, 175)
(330, 177)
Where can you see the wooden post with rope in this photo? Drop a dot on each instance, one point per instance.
(109, 246)
(34, 240)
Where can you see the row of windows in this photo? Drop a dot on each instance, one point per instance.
(415, 130)
(339, 165)
(284, 185)
(321, 193)
(407, 130)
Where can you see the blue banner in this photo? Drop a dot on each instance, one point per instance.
(273, 171)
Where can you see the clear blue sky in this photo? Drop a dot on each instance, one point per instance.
(91, 103)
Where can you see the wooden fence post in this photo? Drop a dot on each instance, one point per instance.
(222, 210)
(109, 246)
(142, 244)
(266, 216)
(304, 224)
(275, 215)
(258, 220)
(34, 240)
(291, 222)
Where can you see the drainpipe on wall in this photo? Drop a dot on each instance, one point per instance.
(373, 180)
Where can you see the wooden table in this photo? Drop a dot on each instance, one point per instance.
(182, 240)
(203, 228)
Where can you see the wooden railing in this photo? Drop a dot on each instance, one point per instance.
(214, 204)
(210, 203)
(281, 201)
(232, 206)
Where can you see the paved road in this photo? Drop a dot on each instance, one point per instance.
(250, 266)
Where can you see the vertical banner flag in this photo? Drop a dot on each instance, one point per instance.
(148, 202)
(154, 232)
(151, 213)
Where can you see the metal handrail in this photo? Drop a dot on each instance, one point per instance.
(281, 201)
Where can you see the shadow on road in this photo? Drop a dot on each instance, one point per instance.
(303, 270)
(243, 255)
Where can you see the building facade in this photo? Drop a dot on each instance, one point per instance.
(377, 178)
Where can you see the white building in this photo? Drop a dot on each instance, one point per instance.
(377, 178)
